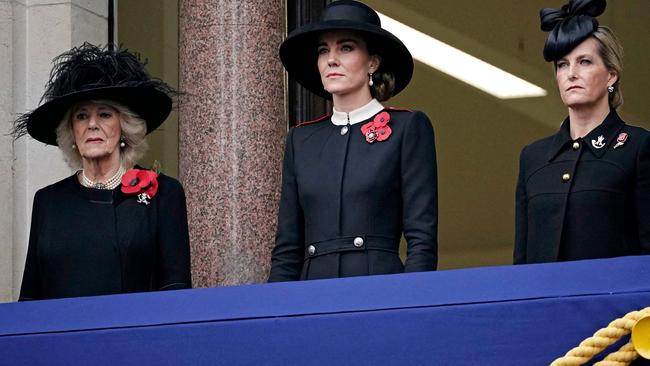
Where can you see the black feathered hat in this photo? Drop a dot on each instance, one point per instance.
(569, 26)
(299, 53)
(88, 72)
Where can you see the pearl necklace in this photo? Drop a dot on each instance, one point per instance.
(110, 184)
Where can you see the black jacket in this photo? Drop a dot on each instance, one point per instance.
(338, 190)
(584, 199)
(86, 241)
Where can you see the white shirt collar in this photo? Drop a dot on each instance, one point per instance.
(357, 115)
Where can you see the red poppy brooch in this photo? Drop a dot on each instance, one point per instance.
(377, 129)
(142, 183)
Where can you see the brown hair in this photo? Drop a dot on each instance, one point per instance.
(383, 85)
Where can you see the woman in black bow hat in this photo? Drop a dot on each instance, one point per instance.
(108, 228)
(354, 181)
(584, 192)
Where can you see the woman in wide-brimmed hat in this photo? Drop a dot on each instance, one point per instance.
(109, 228)
(355, 181)
(584, 192)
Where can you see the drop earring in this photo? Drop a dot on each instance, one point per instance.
(74, 147)
(370, 82)
(610, 89)
(122, 143)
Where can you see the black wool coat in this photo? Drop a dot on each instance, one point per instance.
(86, 241)
(586, 198)
(345, 202)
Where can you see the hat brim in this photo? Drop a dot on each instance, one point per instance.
(150, 104)
(299, 53)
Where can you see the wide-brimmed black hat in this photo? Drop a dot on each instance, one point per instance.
(299, 52)
(87, 73)
(569, 26)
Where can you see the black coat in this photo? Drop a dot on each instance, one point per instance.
(86, 241)
(338, 189)
(578, 201)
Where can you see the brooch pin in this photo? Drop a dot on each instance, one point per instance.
(620, 140)
(377, 129)
(600, 143)
(143, 198)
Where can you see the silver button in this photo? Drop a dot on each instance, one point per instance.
(344, 130)
(576, 145)
(358, 242)
(311, 250)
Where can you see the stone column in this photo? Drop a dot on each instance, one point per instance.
(32, 33)
(231, 135)
(6, 152)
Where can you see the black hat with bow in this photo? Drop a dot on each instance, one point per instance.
(299, 51)
(569, 26)
(88, 73)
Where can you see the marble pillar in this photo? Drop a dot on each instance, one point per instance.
(232, 128)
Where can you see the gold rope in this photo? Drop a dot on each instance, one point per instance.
(604, 338)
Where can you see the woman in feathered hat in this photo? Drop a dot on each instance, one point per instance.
(355, 181)
(109, 228)
(585, 191)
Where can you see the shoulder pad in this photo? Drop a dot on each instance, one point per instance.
(319, 119)
(398, 109)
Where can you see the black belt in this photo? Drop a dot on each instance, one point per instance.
(351, 243)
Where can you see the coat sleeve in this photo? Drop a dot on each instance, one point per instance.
(642, 195)
(30, 289)
(173, 264)
(419, 184)
(521, 215)
(288, 253)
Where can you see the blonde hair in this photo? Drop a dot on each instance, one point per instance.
(133, 130)
(611, 51)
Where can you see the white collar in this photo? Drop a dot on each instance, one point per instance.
(357, 115)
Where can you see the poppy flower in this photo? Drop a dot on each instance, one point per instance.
(138, 181)
(377, 129)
